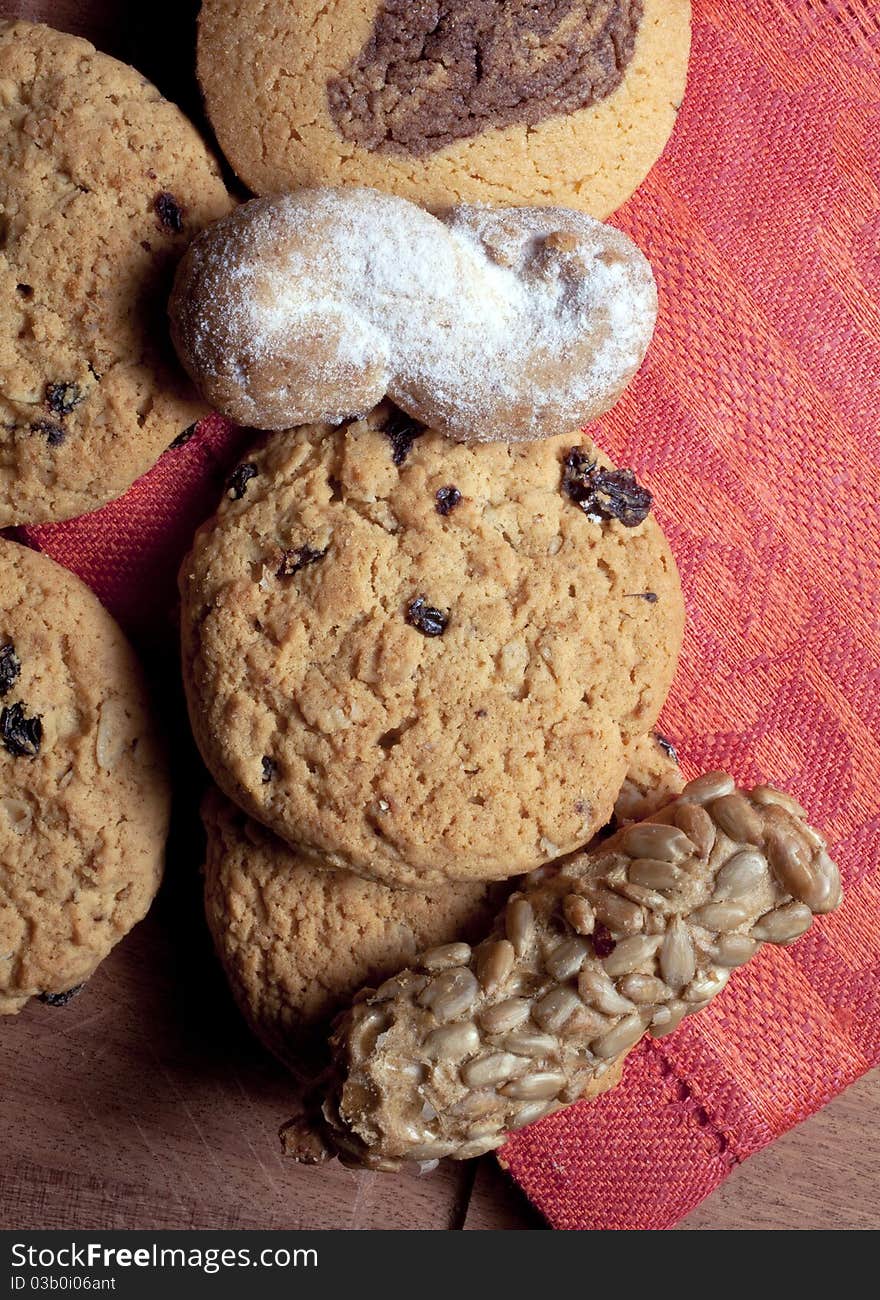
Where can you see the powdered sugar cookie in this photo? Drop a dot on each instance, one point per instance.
(491, 324)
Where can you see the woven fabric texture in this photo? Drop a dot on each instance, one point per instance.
(754, 420)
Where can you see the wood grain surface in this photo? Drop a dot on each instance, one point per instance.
(145, 1103)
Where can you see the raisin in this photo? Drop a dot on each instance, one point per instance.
(169, 211)
(268, 768)
(667, 746)
(293, 561)
(605, 493)
(401, 430)
(53, 433)
(447, 499)
(61, 999)
(425, 618)
(20, 734)
(183, 438)
(238, 480)
(603, 941)
(10, 667)
(62, 398)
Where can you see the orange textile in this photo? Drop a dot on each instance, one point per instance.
(754, 420)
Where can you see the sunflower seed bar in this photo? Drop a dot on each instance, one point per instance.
(446, 1058)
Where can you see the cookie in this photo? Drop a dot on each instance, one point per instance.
(102, 184)
(297, 942)
(653, 778)
(511, 323)
(451, 1054)
(84, 793)
(421, 660)
(447, 101)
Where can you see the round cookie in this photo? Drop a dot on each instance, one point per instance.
(297, 942)
(446, 101)
(102, 184)
(84, 794)
(421, 660)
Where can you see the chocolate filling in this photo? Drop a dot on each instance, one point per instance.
(434, 71)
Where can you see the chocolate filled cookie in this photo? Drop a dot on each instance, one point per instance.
(297, 942)
(102, 184)
(84, 793)
(568, 102)
(421, 660)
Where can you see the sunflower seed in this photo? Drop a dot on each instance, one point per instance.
(767, 795)
(784, 924)
(451, 993)
(566, 959)
(520, 925)
(552, 1011)
(494, 963)
(644, 988)
(366, 1030)
(678, 961)
(451, 1042)
(734, 949)
(740, 875)
(828, 870)
(653, 874)
(430, 1151)
(474, 1105)
(597, 989)
(529, 1114)
(710, 786)
(797, 874)
(704, 986)
(584, 1023)
(528, 1042)
(643, 897)
(655, 840)
(697, 825)
(486, 1071)
(617, 913)
(667, 1019)
(505, 1015)
(579, 914)
(737, 818)
(544, 1083)
(624, 1034)
(479, 1146)
(631, 953)
(720, 917)
(403, 985)
(445, 956)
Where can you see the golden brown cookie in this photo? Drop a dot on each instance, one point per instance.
(102, 184)
(493, 324)
(446, 101)
(84, 793)
(297, 942)
(421, 660)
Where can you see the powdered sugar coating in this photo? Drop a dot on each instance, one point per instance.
(486, 324)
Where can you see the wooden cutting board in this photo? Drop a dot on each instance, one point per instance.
(146, 1104)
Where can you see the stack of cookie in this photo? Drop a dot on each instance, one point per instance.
(102, 184)
(429, 631)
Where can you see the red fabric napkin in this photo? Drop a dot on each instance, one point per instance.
(754, 420)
